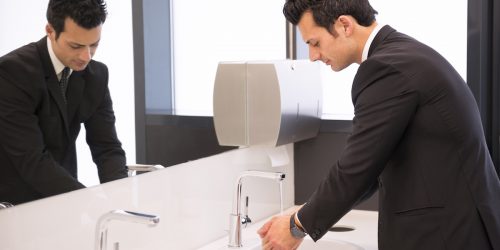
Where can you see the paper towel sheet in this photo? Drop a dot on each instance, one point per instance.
(278, 156)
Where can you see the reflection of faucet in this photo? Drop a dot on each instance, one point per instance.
(235, 219)
(102, 229)
(5, 205)
(134, 168)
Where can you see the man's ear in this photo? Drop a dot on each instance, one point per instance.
(347, 24)
(51, 33)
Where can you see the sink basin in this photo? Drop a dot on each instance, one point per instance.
(309, 244)
(356, 231)
(353, 232)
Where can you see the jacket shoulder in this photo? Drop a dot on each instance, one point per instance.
(22, 63)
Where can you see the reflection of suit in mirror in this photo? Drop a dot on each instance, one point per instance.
(38, 130)
(417, 136)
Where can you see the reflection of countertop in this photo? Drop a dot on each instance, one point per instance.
(363, 235)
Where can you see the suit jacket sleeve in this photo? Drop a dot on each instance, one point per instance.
(383, 109)
(102, 139)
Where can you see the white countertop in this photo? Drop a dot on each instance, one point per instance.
(193, 201)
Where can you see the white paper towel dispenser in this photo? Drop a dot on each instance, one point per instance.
(267, 102)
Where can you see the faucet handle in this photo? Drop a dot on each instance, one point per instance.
(246, 220)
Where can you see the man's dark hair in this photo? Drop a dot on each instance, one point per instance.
(86, 13)
(325, 12)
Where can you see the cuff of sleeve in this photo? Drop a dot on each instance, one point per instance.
(299, 223)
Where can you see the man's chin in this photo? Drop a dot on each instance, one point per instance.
(79, 67)
(338, 68)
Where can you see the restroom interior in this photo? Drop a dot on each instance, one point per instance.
(188, 144)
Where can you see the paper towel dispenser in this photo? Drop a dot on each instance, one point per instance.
(267, 102)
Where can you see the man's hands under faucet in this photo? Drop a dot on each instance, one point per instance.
(275, 234)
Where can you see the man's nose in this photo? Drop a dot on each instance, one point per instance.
(314, 54)
(85, 54)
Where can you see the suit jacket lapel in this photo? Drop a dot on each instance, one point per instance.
(52, 81)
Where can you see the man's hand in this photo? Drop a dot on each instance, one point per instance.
(275, 234)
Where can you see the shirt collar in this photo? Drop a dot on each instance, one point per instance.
(368, 43)
(58, 65)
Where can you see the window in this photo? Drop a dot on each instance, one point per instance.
(207, 32)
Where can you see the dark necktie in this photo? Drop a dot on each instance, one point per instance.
(63, 83)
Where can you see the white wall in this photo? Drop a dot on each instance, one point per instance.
(23, 21)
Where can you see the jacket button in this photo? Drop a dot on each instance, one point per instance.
(316, 233)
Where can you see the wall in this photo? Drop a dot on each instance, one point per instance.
(23, 21)
(315, 157)
(192, 199)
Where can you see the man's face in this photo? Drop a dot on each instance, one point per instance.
(335, 51)
(75, 45)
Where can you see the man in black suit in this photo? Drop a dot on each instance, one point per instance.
(417, 137)
(41, 109)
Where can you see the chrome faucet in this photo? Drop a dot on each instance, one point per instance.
(235, 218)
(102, 224)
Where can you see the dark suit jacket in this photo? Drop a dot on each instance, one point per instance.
(38, 130)
(416, 133)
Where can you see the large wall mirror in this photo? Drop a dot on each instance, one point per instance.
(178, 45)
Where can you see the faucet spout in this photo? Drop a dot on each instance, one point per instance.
(277, 176)
(235, 216)
(102, 224)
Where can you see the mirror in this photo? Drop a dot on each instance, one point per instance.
(115, 50)
(177, 50)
